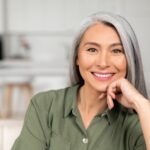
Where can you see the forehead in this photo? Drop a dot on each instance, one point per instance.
(101, 32)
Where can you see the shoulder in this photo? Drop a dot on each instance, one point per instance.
(46, 99)
(44, 104)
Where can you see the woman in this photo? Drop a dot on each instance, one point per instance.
(107, 104)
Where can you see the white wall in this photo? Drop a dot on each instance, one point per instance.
(138, 14)
(1, 16)
(52, 15)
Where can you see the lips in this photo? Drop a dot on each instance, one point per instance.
(103, 76)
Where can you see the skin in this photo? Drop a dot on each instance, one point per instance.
(101, 61)
(100, 52)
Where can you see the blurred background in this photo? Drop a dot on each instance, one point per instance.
(35, 44)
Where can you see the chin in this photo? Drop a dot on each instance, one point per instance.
(102, 88)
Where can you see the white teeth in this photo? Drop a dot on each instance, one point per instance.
(103, 75)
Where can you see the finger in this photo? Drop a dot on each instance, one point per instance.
(115, 86)
(110, 102)
(112, 94)
(111, 91)
(102, 95)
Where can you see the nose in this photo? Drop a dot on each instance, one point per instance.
(102, 60)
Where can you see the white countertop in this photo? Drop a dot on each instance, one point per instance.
(31, 68)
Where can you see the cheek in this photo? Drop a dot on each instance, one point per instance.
(122, 65)
(84, 62)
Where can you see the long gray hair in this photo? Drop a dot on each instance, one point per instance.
(128, 38)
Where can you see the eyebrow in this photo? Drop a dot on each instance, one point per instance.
(98, 45)
(91, 43)
(116, 44)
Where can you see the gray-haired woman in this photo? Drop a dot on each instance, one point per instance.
(106, 104)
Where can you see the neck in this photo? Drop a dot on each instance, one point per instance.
(91, 102)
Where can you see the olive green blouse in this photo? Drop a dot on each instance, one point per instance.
(53, 122)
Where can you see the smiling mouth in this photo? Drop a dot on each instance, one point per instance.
(103, 76)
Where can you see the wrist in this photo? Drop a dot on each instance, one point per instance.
(141, 104)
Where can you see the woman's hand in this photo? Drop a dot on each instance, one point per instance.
(124, 92)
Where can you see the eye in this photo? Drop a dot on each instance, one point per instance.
(117, 51)
(92, 50)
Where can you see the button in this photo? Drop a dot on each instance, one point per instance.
(85, 140)
(103, 114)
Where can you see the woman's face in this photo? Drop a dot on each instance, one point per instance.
(101, 57)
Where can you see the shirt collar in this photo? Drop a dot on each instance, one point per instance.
(110, 115)
(113, 114)
(70, 105)
(70, 100)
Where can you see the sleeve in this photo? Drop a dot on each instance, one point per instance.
(140, 144)
(136, 138)
(36, 131)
